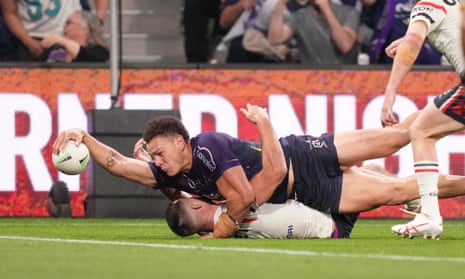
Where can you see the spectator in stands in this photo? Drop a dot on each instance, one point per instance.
(82, 41)
(101, 7)
(387, 21)
(326, 32)
(246, 40)
(8, 44)
(294, 5)
(357, 4)
(31, 21)
(231, 10)
(201, 29)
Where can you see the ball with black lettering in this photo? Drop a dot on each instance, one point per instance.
(73, 159)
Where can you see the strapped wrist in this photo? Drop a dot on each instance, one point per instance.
(226, 226)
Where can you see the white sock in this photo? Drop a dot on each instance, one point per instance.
(427, 174)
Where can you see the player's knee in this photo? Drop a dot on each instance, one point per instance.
(417, 134)
(403, 137)
(397, 138)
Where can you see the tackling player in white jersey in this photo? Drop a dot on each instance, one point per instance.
(439, 21)
(292, 219)
(288, 220)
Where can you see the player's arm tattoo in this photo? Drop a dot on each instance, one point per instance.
(111, 158)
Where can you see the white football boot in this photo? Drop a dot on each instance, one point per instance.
(421, 225)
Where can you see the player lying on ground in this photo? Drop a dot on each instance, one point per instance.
(187, 216)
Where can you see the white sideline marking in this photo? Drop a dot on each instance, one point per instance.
(7, 224)
(242, 249)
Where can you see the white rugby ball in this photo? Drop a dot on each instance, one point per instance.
(73, 159)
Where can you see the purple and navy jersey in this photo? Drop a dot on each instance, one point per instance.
(212, 154)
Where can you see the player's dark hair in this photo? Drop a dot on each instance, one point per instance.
(165, 126)
(179, 220)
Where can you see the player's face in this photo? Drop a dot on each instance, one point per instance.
(167, 153)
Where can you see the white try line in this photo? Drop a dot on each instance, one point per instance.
(242, 249)
(8, 224)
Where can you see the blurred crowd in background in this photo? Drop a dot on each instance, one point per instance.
(308, 32)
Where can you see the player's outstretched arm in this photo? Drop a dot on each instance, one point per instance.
(107, 157)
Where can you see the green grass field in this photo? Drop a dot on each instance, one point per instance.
(144, 248)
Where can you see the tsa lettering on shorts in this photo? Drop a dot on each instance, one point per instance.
(316, 143)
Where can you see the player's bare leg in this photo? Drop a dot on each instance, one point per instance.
(356, 146)
(427, 129)
(365, 189)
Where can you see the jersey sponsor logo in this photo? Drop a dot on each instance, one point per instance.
(204, 154)
(422, 9)
(428, 7)
(290, 231)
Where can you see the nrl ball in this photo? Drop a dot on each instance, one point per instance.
(73, 159)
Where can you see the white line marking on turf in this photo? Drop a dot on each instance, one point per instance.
(243, 249)
(5, 224)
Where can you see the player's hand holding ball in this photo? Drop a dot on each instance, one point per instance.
(72, 159)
